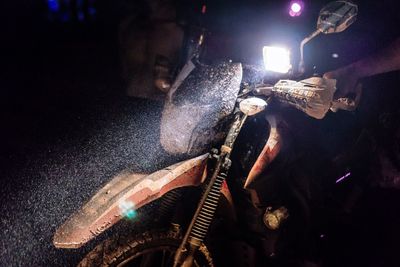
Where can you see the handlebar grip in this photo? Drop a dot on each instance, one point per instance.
(346, 103)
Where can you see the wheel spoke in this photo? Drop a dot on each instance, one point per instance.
(147, 260)
(163, 258)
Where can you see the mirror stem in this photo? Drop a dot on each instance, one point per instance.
(301, 67)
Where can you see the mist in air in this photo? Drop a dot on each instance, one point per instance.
(58, 176)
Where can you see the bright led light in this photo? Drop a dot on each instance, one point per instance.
(296, 7)
(276, 59)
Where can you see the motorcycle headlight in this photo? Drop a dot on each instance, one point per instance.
(276, 59)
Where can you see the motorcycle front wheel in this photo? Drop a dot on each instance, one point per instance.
(152, 248)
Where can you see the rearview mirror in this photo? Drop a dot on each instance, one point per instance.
(336, 16)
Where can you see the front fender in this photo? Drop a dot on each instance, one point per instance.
(269, 152)
(104, 209)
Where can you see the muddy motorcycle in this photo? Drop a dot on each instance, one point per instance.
(188, 210)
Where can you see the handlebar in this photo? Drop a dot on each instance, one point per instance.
(314, 96)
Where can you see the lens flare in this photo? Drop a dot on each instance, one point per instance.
(127, 209)
(343, 177)
(296, 7)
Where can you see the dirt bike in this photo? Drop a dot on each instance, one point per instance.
(198, 212)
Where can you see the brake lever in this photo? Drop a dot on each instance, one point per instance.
(314, 96)
(265, 90)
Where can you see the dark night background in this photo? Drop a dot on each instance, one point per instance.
(67, 127)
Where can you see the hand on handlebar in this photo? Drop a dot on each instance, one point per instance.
(348, 93)
(347, 81)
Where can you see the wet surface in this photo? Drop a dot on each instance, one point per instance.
(194, 113)
(66, 127)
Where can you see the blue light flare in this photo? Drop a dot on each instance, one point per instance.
(53, 5)
(127, 209)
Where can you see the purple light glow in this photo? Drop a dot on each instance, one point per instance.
(343, 177)
(296, 8)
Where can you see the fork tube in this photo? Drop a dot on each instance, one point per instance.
(208, 204)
